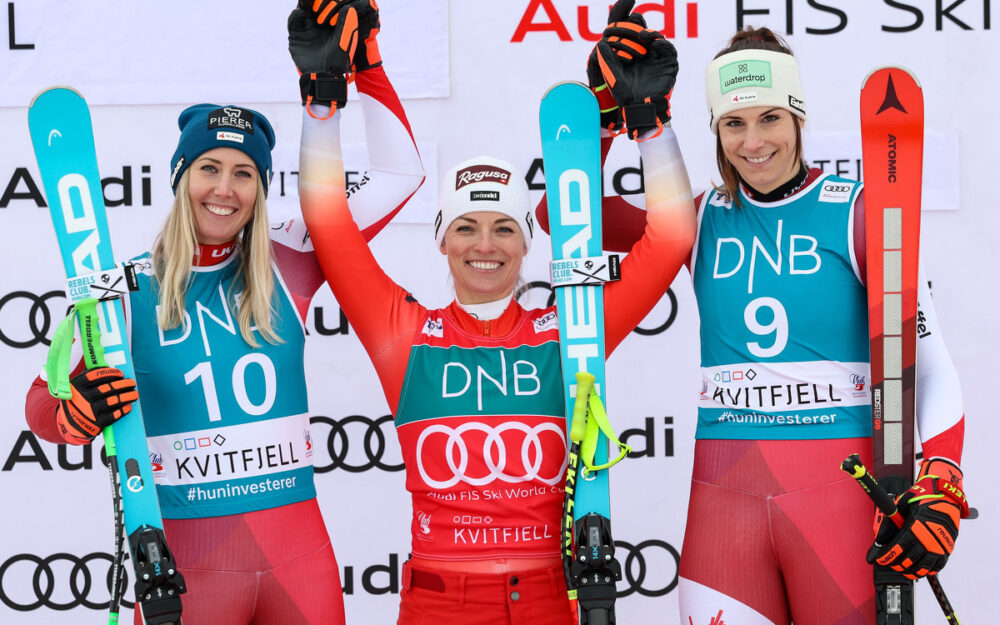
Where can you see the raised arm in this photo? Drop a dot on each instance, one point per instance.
(395, 171)
(666, 243)
(639, 68)
(384, 316)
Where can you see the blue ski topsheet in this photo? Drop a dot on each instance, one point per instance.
(569, 121)
(63, 138)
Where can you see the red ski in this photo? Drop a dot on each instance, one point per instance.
(892, 134)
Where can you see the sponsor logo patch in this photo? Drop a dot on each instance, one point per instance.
(434, 327)
(797, 104)
(744, 74)
(481, 173)
(231, 117)
(740, 98)
(225, 135)
(546, 323)
(719, 199)
(836, 192)
(177, 168)
(483, 196)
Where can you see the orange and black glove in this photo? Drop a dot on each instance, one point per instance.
(100, 397)
(323, 56)
(327, 12)
(930, 512)
(611, 113)
(640, 67)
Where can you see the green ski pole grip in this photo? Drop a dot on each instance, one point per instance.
(93, 351)
(57, 361)
(584, 385)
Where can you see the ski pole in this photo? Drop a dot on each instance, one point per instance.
(853, 466)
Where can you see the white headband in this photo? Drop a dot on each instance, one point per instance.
(753, 78)
(484, 184)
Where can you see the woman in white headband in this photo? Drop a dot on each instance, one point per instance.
(779, 276)
(776, 532)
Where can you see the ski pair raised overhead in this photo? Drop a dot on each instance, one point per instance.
(217, 336)
(776, 533)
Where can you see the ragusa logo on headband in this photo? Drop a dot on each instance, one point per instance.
(480, 173)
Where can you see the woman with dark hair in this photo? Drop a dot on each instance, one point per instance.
(776, 532)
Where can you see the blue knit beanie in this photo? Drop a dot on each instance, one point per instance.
(207, 126)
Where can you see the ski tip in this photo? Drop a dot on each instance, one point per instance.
(899, 68)
(54, 88)
(564, 82)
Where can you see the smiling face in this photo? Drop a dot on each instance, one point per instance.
(760, 142)
(484, 251)
(222, 187)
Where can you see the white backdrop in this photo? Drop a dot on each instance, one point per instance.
(470, 75)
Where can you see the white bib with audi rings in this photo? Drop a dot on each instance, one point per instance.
(753, 78)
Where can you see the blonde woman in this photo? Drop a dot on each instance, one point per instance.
(217, 337)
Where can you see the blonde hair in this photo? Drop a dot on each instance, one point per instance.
(175, 248)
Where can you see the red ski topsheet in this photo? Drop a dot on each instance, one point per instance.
(892, 115)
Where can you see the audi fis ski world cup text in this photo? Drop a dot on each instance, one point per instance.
(542, 20)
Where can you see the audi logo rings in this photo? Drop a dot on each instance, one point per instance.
(338, 444)
(532, 454)
(635, 568)
(41, 319)
(44, 581)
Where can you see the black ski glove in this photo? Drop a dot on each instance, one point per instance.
(323, 56)
(640, 67)
(326, 12)
(611, 118)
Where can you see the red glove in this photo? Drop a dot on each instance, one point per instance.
(930, 511)
(100, 397)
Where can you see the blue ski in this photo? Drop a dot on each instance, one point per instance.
(63, 139)
(569, 122)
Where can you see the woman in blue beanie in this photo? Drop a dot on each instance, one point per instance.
(217, 338)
